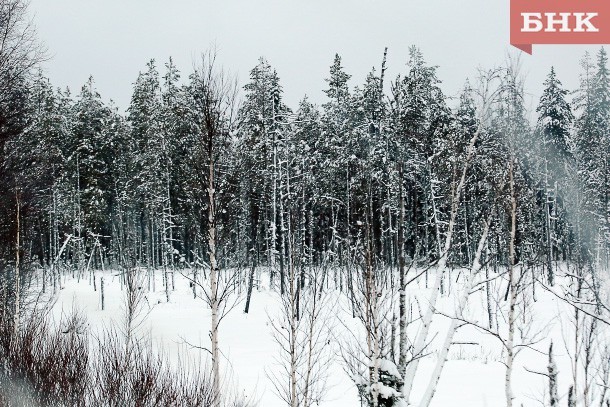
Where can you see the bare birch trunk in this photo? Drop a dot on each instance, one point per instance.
(420, 341)
(372, 335)
(165, 273)
(294, 402)
(402, 306)
(273, 251)
(213, 282)
(442, 357)
(577, 337)
(549, 239)
(282, 251)
(307, 398)
(17, 266)
(513, 290)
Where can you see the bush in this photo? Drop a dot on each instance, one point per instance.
(53, 365)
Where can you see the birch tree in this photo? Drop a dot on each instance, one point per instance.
(488, 95)
(213, 94)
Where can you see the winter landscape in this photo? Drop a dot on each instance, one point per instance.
(212, 245)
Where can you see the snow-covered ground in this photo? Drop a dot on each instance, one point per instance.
(473, 375)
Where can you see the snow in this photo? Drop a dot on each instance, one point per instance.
(384, 391)
(473, 375)
(389, 367)
(359, 380)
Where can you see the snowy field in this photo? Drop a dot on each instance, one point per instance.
(473, 375)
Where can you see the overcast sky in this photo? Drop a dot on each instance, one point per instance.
(113, 39)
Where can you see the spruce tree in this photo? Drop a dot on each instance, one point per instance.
(553, 130)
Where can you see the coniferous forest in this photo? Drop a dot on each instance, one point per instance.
(390, 204)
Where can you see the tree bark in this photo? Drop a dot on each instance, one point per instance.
(17, 266)
(513, 289)
(442, 357)
(213, 280)
(402, 307)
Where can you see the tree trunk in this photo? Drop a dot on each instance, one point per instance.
(442, 356)
(102, 291)
(250, 283)
(294, 401)
(17, 266)
(549, 241)
(512, 283)
(402, 307)
(552, 369)
(213, 281)
(371, 299)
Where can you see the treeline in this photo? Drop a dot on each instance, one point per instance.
(133, 184)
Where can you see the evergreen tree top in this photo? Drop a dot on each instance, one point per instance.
(338, 89)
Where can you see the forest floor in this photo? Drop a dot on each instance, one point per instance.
(473, 375)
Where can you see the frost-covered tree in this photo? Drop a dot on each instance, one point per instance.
(263, 118)
(89, 162)
(212, 94)
(553, 127)
(593, 105)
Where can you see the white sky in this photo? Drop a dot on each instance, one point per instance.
(113, 39)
